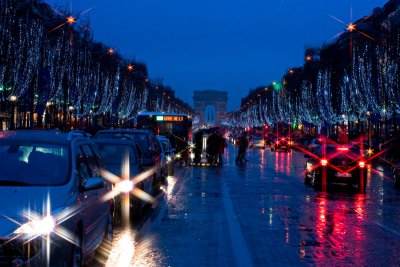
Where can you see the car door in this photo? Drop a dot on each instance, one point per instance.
(97, 209)
(148, 182)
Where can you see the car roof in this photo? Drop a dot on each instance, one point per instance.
(115, 141)
(153, 113)
(42, 136)
(125, 131)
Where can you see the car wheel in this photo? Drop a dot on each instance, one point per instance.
(77, 254)
(108, 236)
(103, 251)
(315, 181)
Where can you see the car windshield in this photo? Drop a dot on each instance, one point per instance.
(113, 154)
(29, 164)
(138, 137)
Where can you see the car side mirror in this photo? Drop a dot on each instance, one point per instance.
(92, 184)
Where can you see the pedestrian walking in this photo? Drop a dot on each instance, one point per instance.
(212, 148)
(243, 144)
(221, 148)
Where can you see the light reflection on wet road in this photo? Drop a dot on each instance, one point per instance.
(281, 221)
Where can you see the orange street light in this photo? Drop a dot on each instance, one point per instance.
(70, 20)
(351, 27)
(130, 67)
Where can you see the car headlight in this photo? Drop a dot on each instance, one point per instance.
(309, 166)
(125, 186)
(42, 226)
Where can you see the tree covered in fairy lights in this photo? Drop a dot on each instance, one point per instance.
(356, 75)
(49, 61)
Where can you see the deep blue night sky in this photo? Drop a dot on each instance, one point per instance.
(233, 45)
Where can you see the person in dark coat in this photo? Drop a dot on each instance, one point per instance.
(198, 146)
(212, 148)
(243, 144)
(221, 148)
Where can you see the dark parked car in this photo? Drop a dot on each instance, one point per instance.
(114, 152)
(52, 187)
(147, 141)
(340, 163)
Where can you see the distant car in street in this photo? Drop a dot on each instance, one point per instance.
(280, 144)
(148, 142)
(257, 142)
(313, 144)
(52, 185)
(114, 152)
(341, 164)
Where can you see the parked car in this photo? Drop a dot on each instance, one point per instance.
(257, 142)
(167, 156)
(148, 142)
(52, 185)
(339, 163)
(113, 153)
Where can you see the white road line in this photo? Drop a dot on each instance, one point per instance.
(241, 254)
(388, 229)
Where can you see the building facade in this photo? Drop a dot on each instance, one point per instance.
(210, 105)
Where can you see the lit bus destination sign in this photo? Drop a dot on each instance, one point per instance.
(169, 118)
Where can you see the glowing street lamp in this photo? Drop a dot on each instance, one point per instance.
(13, 100)
(351, 27)
(71, 109)
(71, 20)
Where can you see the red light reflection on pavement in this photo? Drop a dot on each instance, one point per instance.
(283, 162)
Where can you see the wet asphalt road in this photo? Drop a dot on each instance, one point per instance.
(262, 214)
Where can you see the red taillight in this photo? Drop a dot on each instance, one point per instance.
(361, 164)
(324, 162)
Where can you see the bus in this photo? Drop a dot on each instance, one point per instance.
(176, 127)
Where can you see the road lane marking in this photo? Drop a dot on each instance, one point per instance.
(388, 229)
(240, 252)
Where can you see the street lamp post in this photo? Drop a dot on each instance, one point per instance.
(70, 108)
(13, 100)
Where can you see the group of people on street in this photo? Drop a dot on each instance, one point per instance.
(216, 144)
(215, 147)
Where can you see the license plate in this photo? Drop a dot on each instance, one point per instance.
(343, 174)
